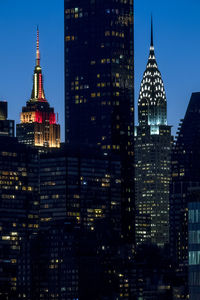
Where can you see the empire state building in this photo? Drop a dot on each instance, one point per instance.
(38, 125)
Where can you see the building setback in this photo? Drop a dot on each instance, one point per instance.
(38, 125)
(152, 158)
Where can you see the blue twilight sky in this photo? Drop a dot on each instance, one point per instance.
(176, 39)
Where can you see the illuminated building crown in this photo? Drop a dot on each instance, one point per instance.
(38, 125)
(152, 103)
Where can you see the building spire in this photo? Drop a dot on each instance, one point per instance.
(38, 90)
(152, 31)
(38, 49)
(152, 93)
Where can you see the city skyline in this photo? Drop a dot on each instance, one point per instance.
(174, 24)
(113, 212)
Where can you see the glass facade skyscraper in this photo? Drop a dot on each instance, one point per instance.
(99, 126)
(99, 99)
(99, 87)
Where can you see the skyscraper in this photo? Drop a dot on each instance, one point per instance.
(83, 188)
(194, 242)
(99, 99)
(38, 121)
(185, 177)
(19, 220)
(99, 86)
(152, 157)
(6, 126)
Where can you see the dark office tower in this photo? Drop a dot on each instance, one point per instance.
(152, 158)
(19, 209)
(185, 174)
(38, 121)
(6, 126)
(194, 242)
(84, 188)
(99, 100)
(99, 85)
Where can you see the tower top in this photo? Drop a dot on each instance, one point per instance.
(38, 90)
(152, 31)
(37, 114)
(152, 101)
(38, 49)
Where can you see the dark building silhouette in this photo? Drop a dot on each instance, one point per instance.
(152, 158)
(81, 185)
(153, 273)
(19, 217)
(194, 242)
(56, 261)
(185, 175)
(99, 100)
(6, 126)
(99, 87)
(84, 188)
(38, 125)
(99, 125)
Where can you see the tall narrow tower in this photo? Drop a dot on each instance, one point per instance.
(99, 70)
(38, 125)
(99, 86)
(152, 157)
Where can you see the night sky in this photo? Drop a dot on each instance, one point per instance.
(176, 40)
